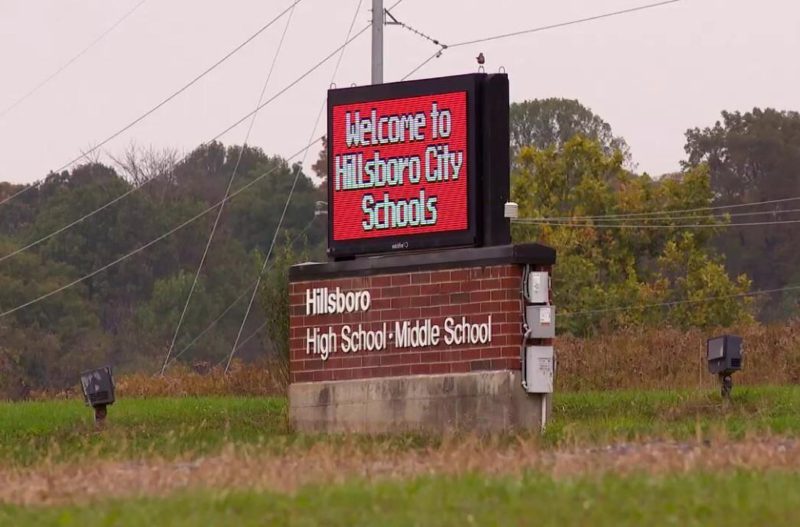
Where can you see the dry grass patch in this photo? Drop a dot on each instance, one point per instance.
(263, 379)
(672, 358)
(247, 469)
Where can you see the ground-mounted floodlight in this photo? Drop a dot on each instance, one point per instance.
(724, 355)
(98, 390)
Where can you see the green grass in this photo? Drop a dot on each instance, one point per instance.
(734, 499)
(61, 430)
(626, 415)
(169, 427)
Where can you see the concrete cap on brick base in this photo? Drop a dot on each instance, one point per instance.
(491, 401)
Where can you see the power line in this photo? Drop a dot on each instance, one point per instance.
(563, 24)
(211, 325)
(422, 64)
(197, 216)
(243, 342)
(225, 311)
(539, 29)
(303, 76)
(165, 101)
(263, 267)
(153, 241)
(291, 192)
(183, 88)
(308, 225)
(227, 191)
(349, 31)
(396, 22)
(222, 133)
(666, 217)
(533, 221)
(253, 334)
(71, 61)
(677, 211)
(681, 302)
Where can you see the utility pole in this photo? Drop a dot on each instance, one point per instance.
(377, 41)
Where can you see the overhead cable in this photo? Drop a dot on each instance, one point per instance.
(681, 302)
(668, 217)
(669, 212)
(289, 198)
(579, 225)
(163, 102)
(151, 242)
(244, 341)
(227, 192)
(393, 21)
(71, 61)
(222, 133)
(230, 306)
(563, 24)
(538, 29)
(209, 327)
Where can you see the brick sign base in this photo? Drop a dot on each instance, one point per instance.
(367, 337)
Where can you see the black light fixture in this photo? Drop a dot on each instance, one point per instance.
(724, 355)
(98, 391)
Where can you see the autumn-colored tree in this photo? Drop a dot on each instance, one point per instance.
(607, 266)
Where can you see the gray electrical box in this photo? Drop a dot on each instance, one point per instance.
(724, 354)
(541, 321)
(539, 369)
(539, 287)
(98, 386)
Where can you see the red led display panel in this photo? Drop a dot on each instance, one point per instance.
(399, 166)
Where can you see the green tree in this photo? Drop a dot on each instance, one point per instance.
(754, 157)
(50, 342)
(14, 384)
(228, 275)
(255, 214)
(274, 296)
(605, 267)
(127, 314)
(111, 233)
(320, 166)
(545, 123)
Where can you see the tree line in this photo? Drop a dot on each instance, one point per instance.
(569, 170)
(127, 314)
(568, 164)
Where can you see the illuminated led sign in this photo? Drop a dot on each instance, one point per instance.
(404, 167)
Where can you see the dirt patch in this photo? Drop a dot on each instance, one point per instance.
(328, 464)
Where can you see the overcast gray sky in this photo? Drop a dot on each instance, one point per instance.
(650, 74)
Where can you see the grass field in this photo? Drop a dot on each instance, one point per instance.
(170, 427)
(226, 460)
(735, 499)
(625, 415)
(178, 427)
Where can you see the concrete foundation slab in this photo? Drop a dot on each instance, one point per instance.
(486, 401)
